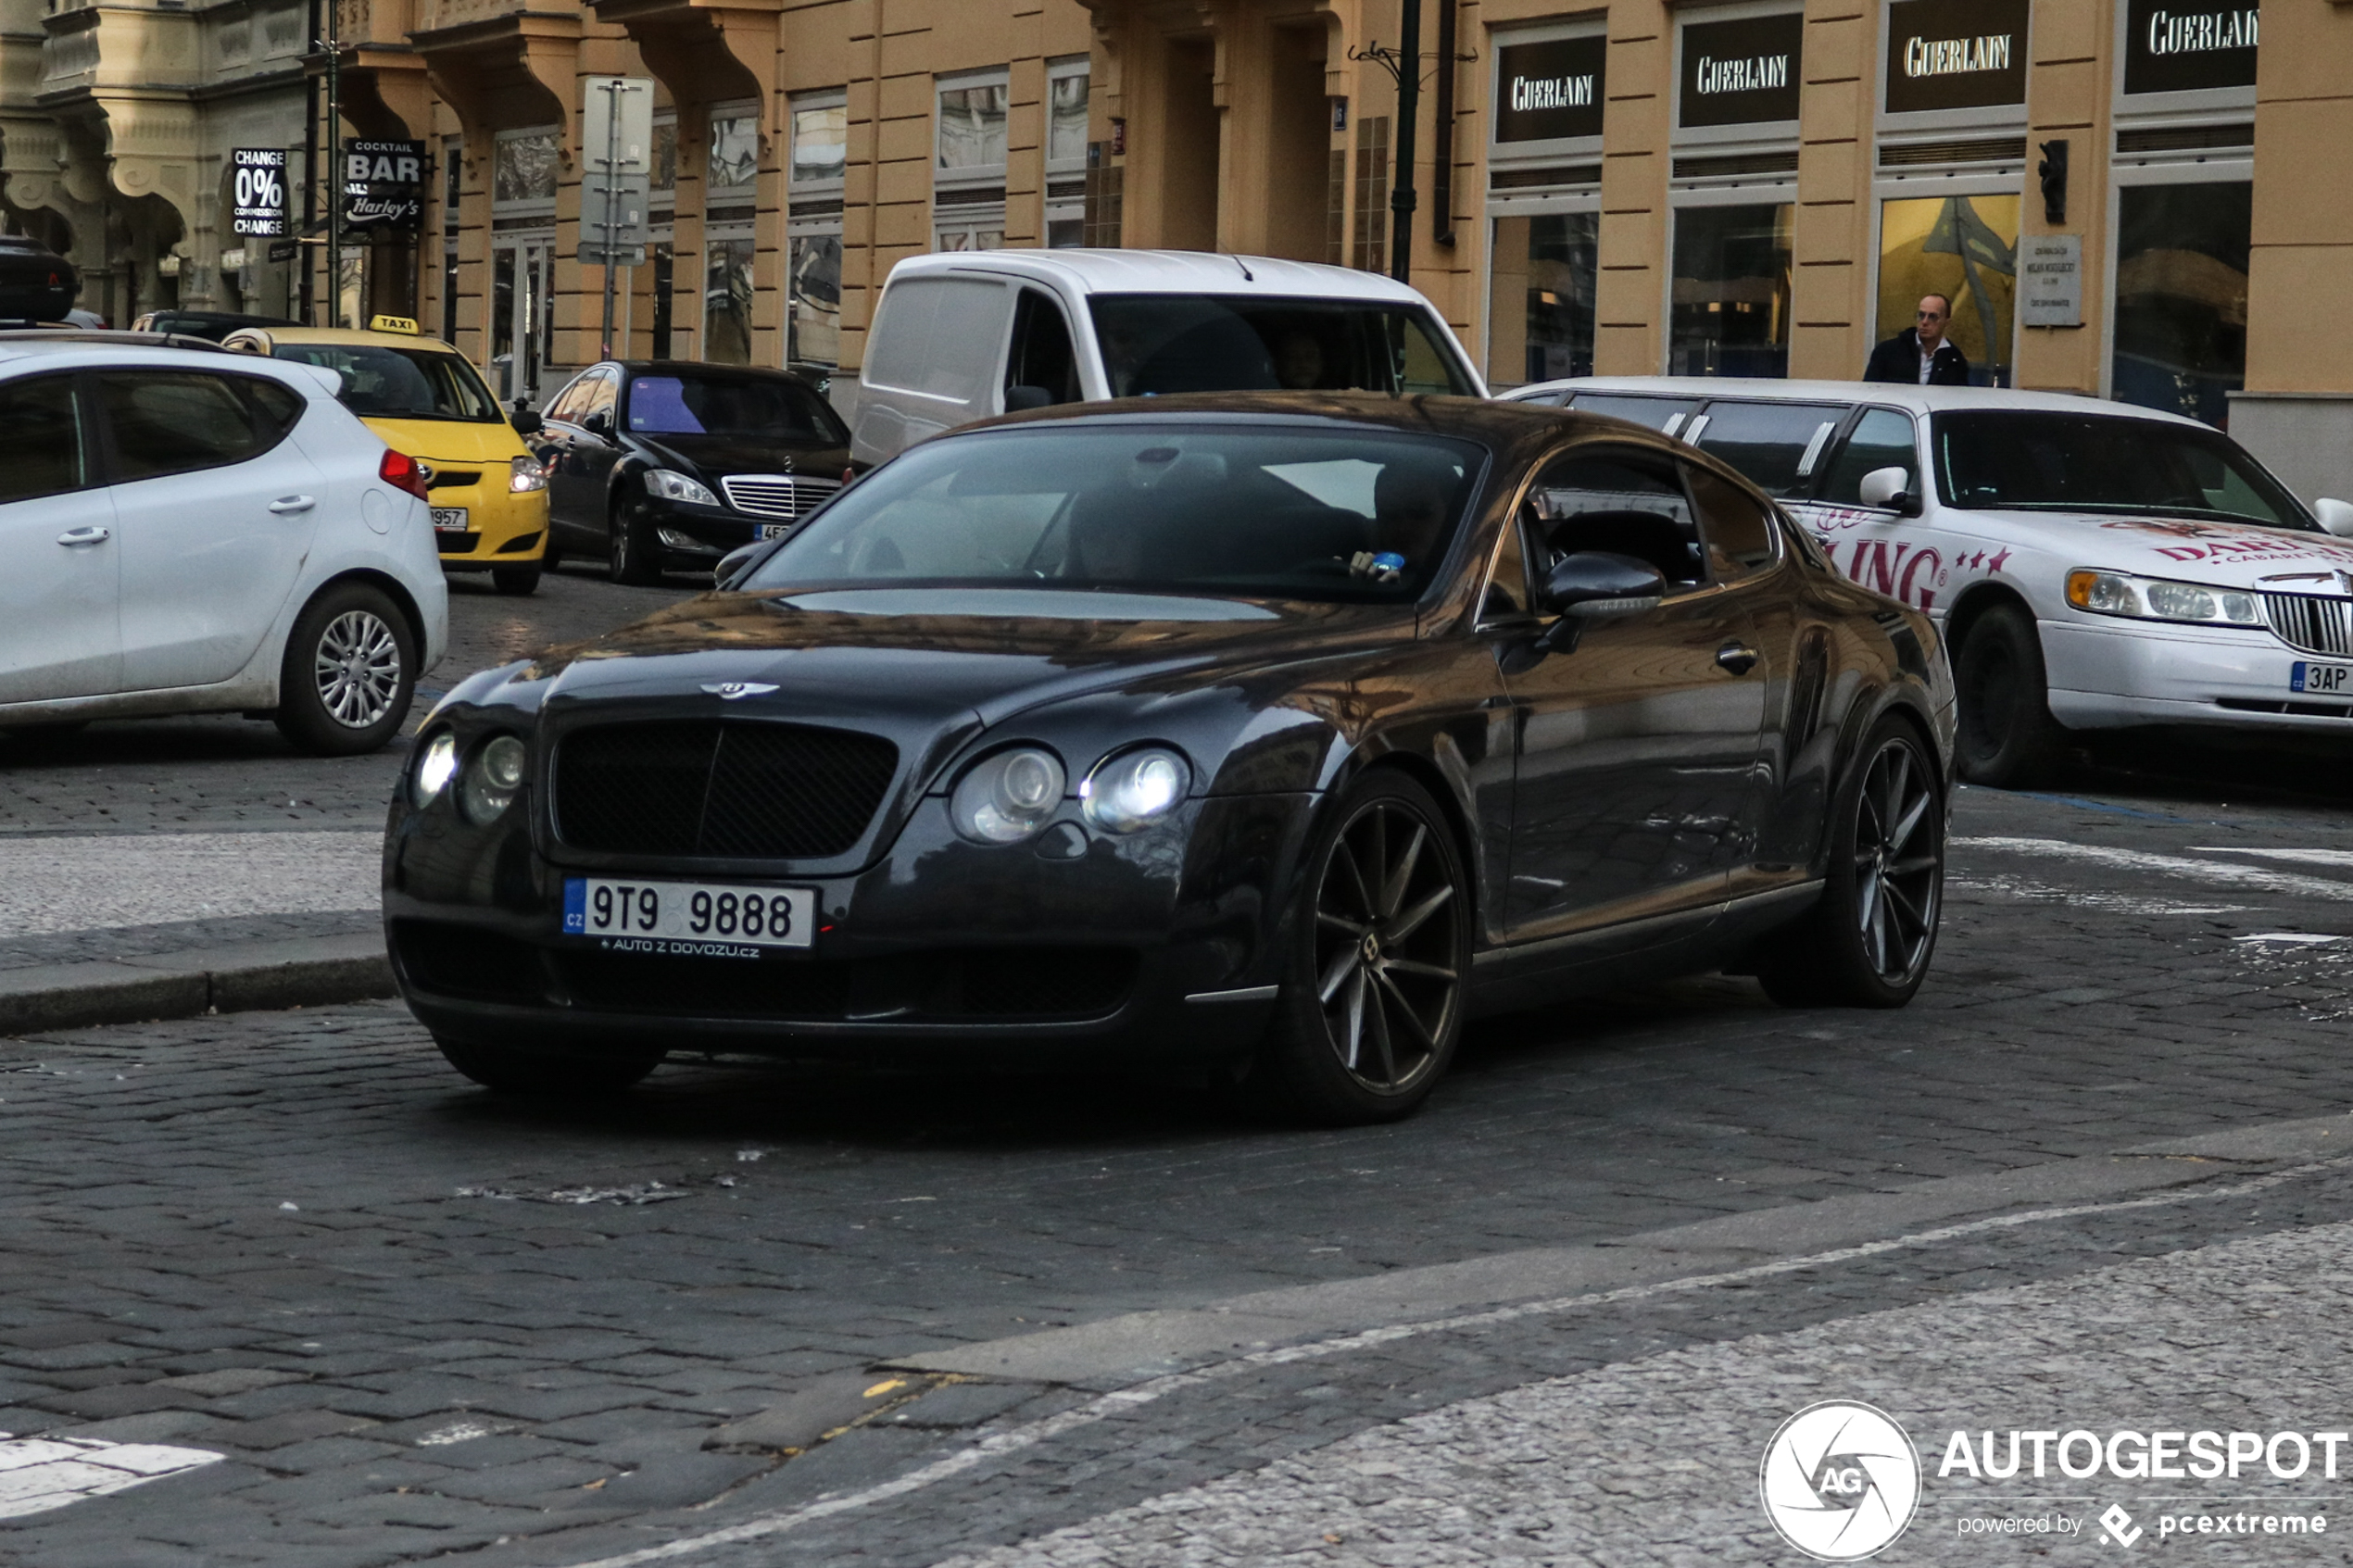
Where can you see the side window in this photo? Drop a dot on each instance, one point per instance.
(178, 422)
(1507, 589)
(1626, 504)
(41, 442)
(280, 407)
(1880, 439)
(603, 387)
(941, 336)
(1776, 447)
(1738, 534)
(1667, 415)
(572, 402)
(1042, 356)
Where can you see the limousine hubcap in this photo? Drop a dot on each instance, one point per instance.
(358, 669)
(1386, 938)
(1899, 849)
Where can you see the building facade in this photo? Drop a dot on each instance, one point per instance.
(2125, 198)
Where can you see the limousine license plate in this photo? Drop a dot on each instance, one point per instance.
(2333, 678)
(449, 519)
(686, 917)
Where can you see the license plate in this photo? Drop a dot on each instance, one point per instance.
(2335, 679)
(771, 530)
(449, 519)
(688, 917)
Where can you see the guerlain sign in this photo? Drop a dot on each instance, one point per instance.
(1741, 72)
(2173, 46)
(1550, 90)
(1955, 54)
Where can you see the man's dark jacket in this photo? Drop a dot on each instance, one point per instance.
(1898, 359)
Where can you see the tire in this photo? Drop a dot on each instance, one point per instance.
(518, 581)
(547, 1074)
(627, 557)
(1371, 1005)
(349, 673)
(2007, 736)
(1868, 941)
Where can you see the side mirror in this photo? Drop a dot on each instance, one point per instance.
(740, 562)
(1890, 488)
(1021, 399)
(1596, 586)
(599, 424)
(2335, 515)
(526, 422)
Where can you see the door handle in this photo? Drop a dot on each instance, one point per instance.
(1737, 658)
(90, 535)
(286, 505)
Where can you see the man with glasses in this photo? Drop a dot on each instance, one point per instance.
(1922, 354)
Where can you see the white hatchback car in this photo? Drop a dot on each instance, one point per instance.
(2093, 565)
(183, 531)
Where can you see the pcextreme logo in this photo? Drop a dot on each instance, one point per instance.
(1840, 1481)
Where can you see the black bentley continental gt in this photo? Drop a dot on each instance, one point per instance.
(1269, 731)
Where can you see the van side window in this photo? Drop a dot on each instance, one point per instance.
(941, 336)
(1625, 504)
(1042, 356)
(1881, 439)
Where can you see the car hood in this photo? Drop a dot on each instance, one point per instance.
(710, 456)
(450, 441)
(2225, 555)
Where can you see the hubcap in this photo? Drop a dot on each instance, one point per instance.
(1899, 863)
(1386, 931)
(358, 669)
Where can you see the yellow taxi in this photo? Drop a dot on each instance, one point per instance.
(488, 494)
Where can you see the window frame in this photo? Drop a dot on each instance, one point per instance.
(95, 469)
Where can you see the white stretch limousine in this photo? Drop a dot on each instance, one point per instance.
(2094, 565)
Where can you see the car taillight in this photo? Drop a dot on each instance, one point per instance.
(402, 472)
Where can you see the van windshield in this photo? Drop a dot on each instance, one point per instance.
(1155, 345)
(1145, 507)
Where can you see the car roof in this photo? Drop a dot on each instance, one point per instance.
(354, 336)
(39, 340)
(80, 350)
(1168, 271)
(1897, 395)
(700, 367)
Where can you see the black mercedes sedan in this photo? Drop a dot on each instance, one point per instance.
(656, 466)
(1273, 733)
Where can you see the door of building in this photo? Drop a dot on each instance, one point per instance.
(523, 269)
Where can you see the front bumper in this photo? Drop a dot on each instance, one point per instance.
(1127, 950)
(503, 528)
(683, 534)
(2127, 675)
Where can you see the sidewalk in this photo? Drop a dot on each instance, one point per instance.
(109, 928)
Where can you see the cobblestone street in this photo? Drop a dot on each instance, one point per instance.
(283, 1289)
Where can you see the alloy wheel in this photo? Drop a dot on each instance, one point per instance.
(1386, 935)
(1899, 857)
(358, 669)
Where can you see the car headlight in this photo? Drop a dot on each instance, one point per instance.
(526, 474)
(669, 486)
(1134, 789)
(2148, 599)
(436, 765)
(491, 780)
(1007, 798)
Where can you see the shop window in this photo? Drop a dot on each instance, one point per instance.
(2180, 297)
(813, 279)
(735, 149)
(1965, 249)
(1549, 259)
(726, 320)
(524, 169)
(661, 159)
(972, 126)
(664, 271)
(1731, 291)
(1066, 88)
(1372, 195)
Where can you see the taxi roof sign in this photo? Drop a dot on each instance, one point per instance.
(395, 324)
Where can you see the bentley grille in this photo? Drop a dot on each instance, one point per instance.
(709, 786)
(2314, 624)
(776, 494)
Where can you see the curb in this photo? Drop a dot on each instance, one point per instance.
(298, 972)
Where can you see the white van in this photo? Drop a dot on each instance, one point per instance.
(971, 334)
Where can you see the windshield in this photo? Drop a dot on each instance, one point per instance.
(399, 383)
(2041, 461)
(1158, 343)
(756, 409)
(1298, 514)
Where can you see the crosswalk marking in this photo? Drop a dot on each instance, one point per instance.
(40, 1473)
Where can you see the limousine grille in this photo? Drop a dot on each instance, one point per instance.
(709, 786)
(2314, 624)
(776, 494)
